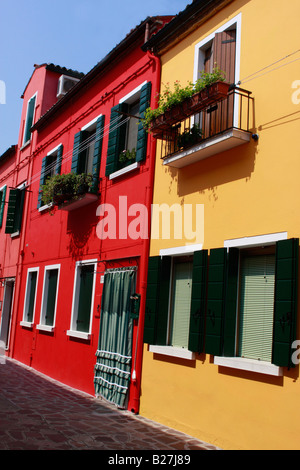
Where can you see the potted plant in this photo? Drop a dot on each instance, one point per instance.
(211, 86)
(174, 106)
(127, 157)
(65, 187)
(189, 137)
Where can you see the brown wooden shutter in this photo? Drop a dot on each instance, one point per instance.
(224, 47)
(223, 57)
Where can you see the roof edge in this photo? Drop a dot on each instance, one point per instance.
(183, 23)
(129, 39)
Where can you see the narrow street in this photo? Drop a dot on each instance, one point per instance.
(38, 413)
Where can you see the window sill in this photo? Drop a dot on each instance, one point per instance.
(45, 328)
(124, 170)
(15, 234)
(171, 351)
(78, 334)
(250, 365)
(25, 145)
(45, 207)
(26, 324)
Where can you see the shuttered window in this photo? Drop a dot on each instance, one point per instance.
(51, 165)
(181, 308)
(252, 303)
(87, 152)
(127, 132)
(257, 284)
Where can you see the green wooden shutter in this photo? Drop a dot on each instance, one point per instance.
(15, 210)
(163, 307)
(29, 119)
(20, 205)
(97, 153)
(42, 181)
(11, 210)
(157, 300)
(285, 305)
(215, 301)
(231, 303)
(152, 297)
(116, 141)
(57, 169)
(142, 137)
(198, 302)
(77, 151)
(2, 204)
(51, 296)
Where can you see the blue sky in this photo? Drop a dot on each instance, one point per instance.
(71, 33)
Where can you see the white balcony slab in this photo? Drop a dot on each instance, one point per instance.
(213, 146)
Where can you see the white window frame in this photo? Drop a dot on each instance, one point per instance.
(199, 55)
(41, 325)
(25, 143)
(72, 331)
(26, 299)
(240, 363)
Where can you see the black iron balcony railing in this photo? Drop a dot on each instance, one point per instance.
(235, 111)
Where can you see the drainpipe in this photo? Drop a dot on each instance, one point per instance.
(134, 403)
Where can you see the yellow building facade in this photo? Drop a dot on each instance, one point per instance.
(222, 274)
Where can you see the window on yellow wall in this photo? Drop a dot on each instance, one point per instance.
(175, 301)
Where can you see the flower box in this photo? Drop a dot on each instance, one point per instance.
(196, 103)
(217, 91)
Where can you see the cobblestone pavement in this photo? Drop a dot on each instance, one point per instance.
(38, 413)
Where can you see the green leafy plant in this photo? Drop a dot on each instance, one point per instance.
(127, 156)
(169, 98)
(189, 136)
(59, 188)
(208, 78)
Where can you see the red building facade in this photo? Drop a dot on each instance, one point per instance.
(77, 312)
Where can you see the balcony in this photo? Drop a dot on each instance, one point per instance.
(216, 124)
